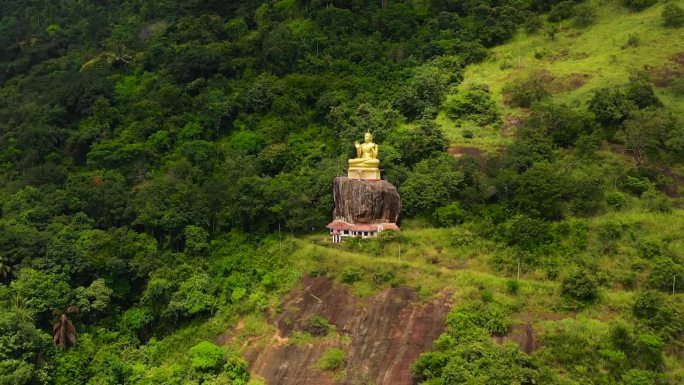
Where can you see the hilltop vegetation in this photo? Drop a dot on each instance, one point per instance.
(162, 163)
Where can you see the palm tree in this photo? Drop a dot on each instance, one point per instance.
(64, 332)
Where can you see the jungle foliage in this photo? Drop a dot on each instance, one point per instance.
(152, 153)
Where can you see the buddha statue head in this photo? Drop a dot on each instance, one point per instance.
(368, 138)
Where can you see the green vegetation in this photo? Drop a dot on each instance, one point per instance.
(165, 174)
(332, 359)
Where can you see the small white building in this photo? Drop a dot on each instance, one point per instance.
(340, 229)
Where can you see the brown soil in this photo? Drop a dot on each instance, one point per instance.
(473, 152)
(382, 335)
(568, 83)
(666, 75)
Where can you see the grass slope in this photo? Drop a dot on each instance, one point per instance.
(597, 56)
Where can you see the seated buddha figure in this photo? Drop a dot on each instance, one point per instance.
(366, 153)
(366, 164)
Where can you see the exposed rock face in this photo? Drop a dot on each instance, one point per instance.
(381, 335)
(366, 201)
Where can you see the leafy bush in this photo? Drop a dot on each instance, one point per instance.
(429, 365)
(460, 236)
(656, 201)
(611, 106)
(632, 41)
(236, 369)
(673, 15)
(332, 359)
(562, 10)
(580, 285)
(450, 215)
(527, 233)
(635, 185)
(639, 4)
(615, 199)
(351, 275)
(206, 357)
(418, 143)
(512, 286)
(524, 92)
(640, 91)
(474, 104)
(563, 124)
(660, 313)
(533, 24)
(423, 94)
(319, 326)
(585, 15)
(665, 274)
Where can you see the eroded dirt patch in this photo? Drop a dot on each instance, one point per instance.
(568, 83)
(382, 335)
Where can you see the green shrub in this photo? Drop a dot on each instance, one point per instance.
(423, 93)
(632, 41)
(562, 123)
(635, 185)
(639, 4)
(351, 275)
(236, 369)
(332, 359)
(665, 272)
(524, 92)
(459, 236)
(641, 377)
(319, 326)
(611, 106)
(533, 23)
(673, 15)
(474, 104)
(383, 277)
(656, 201)
(562, 10)
(527, 233)
(580, 285)
(585, 15)
(641, 92)
(486, 296)
(429, 365)
(660, 313)
(206, 357)
(450, 215)
(512, 286)
(615, 199)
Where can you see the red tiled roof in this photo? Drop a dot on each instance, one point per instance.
(340, 225)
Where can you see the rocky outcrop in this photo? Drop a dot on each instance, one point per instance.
(366, 201)
(382, 335)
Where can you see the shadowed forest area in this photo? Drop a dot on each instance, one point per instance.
(166, 174)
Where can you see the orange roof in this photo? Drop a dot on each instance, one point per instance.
(341, 225)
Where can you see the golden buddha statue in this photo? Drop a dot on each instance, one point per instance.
(366, 164)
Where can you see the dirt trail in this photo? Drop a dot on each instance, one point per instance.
(382, 335)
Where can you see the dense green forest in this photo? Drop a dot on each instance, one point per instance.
(164, 164)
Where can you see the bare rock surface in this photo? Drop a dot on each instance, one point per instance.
(366, 201)
(382, 335)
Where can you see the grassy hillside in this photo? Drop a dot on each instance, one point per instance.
(580, 60)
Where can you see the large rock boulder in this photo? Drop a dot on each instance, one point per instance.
(365, 201)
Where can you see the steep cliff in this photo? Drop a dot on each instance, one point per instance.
(381, 335)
